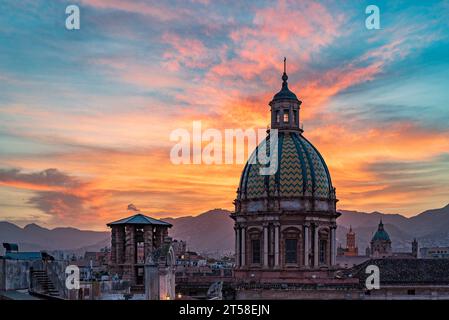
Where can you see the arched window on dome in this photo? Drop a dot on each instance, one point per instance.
(291, 254)
(323, 251)
(278, 117)
(291, 240)
(323, 247)
(285, 116)
(255, 251)
(255, 254)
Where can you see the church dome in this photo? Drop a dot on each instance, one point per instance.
(286, 208)
(381, 234)
(301, 172)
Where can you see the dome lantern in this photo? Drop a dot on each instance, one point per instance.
(285, 107)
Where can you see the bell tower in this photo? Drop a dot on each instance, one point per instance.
(285, 107)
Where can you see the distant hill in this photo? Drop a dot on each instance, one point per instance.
(35, 238)
(208, 232)
(212, 232)
(430, 228)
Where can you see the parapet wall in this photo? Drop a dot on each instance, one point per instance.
(15, 274)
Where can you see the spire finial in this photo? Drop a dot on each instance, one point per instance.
(284, 76)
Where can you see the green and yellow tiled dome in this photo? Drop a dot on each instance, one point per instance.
(302, 172)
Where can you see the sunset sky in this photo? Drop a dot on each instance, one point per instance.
(85, 115)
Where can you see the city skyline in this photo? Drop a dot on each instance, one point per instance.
(85, 115)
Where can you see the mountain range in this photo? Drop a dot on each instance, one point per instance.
(36, 238)
(212, 232)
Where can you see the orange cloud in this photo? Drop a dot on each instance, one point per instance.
(121, 155)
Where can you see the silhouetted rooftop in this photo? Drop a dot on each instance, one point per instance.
(140, 219)
(406, 271)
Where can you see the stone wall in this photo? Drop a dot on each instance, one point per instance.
(15, 274)
(56, 273)
(276, 294)
(152, 282)
(2, 274)
(390, 293)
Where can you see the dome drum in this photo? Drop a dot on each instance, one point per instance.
(305, 205)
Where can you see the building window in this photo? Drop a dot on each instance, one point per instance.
(322, 252)
(277, 116)
(140, 252)
(411, 292)
(290, 251)
(255, 249)
(295, 121)
(285, 115)
(139, 275)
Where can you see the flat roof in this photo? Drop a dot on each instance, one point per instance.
(23, 255)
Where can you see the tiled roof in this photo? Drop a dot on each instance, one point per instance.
(406, 271)
(301, 171)
(140, 219)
